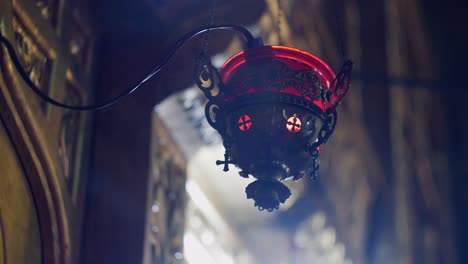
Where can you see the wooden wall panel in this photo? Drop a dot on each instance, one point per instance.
(19, 224)
(386, 168)
(42, 33)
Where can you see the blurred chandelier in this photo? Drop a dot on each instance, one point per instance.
(274, 107)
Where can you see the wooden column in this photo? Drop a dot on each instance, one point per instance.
(419, 137)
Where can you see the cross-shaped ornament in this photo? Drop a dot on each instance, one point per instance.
(244, 123)
(226, 162)
(294, 124)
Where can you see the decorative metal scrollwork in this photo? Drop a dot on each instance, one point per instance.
(211, 111)
(340, 84)
(207, 77)
(208, 80)
(308, 84)
(277, 76)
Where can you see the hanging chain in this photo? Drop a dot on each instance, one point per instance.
(339, 20)
(212, 18)
(278, 22)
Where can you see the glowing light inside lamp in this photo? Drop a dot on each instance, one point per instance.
(294, 124)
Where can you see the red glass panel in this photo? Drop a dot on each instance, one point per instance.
(244, 123)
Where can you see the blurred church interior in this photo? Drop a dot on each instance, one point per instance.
(138, 183)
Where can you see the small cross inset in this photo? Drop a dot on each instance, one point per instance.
(244, 122)
(226, 162)
(293, 124)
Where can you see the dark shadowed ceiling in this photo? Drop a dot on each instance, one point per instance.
(144, 31)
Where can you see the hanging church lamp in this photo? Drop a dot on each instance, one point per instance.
(273, 106)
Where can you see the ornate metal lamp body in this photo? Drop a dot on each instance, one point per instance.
(274, 107)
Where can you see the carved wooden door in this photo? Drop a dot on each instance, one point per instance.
(54, 42)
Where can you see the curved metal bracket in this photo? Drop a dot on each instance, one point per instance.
(207, 78)
(340, 85)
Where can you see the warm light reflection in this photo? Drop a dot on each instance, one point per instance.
(315, 240)
(203, 203)
(204, 239)
(207, 238)
(195, 252)
(197, 195)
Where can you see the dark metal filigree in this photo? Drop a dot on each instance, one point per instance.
(275, 76)
(267, 194)
(340, 84)
(208, 80)
(211, 110)
(207, 77)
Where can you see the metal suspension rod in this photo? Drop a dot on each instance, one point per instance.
(251, 42)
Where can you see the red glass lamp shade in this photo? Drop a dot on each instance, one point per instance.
(281, 69)
(274, 106)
